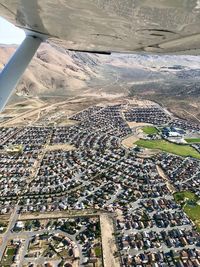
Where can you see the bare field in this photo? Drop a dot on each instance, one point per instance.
(65, 147)
(108, 242)
(67, 122)
(148, 153)
(129, 142)
(137, 102)
(166, 179)
(137, 124)
(58, 214)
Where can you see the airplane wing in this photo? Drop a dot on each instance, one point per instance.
(159, 26)
(152, 26)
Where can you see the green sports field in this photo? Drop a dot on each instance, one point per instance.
(192, 140)
(190, 205)
(181, 150)
(149, 130)
(193, 213)
(182, 196)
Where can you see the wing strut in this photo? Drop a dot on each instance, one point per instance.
(16, 66)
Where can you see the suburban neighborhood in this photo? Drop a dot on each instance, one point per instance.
(118, 186)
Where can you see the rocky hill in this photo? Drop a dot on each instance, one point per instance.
(54, 70)
(173, 81)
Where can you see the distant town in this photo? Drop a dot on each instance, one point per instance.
(115, 185)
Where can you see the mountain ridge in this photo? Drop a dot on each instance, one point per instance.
(173, 81)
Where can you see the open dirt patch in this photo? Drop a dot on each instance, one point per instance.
(129, 141)
(132, 124)
(108, 242)
(65, 147)
(66, 122)
(166, 179)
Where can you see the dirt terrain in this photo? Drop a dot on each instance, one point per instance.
(129, 141)
(55, 74)
(65, 147)
(166, 179)
(51, 112)
(108, 242)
